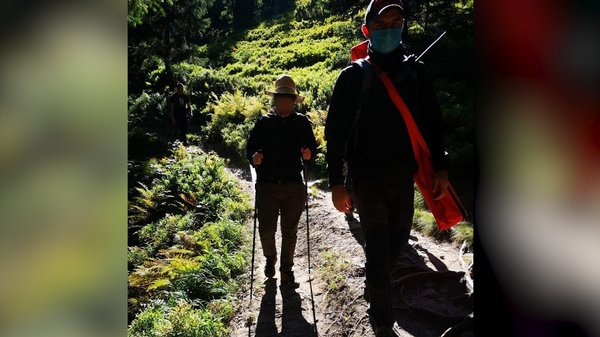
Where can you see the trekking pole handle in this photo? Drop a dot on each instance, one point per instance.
(431, 45)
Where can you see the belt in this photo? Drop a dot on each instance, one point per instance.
(273, 180)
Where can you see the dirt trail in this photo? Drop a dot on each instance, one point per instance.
(428, 293)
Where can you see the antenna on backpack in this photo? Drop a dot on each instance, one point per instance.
(431, 45)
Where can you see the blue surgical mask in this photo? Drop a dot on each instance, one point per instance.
(386, 40)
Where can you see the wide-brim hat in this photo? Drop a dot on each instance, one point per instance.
(285, 85)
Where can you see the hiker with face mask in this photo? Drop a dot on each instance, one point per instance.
(277, 147)
(365, 130)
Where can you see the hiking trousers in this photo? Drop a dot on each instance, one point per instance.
(181, 121)
(273, 199)
(386, 211)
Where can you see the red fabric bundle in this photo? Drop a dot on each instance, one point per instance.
(447, 211)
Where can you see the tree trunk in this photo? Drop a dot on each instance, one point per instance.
(166, 56)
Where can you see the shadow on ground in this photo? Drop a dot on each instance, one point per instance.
(426, 302)
(293, 323)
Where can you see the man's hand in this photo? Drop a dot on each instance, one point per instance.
(440, 184)
(305, 151)
(257, 158)
(341, 198)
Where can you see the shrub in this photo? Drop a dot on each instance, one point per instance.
(161, 235)
(206, 273)
(334, 271)
(194, 246)
(419, 201)
(463, 232)
(188, 182)
(174, 321)
(233, 116)
(147, 110)
(151, 322)
(136, 256)
(425, 222)
(150, 204)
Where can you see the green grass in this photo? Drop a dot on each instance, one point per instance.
(424, 222)
(334, 271)
(463, 232)
(180, 319)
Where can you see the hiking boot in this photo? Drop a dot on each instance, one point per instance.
(287, 278)
(384, 331)
(270, 267)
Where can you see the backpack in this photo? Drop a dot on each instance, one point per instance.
(359, 58)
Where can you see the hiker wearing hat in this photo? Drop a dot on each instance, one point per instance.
(278, 144)
(365, 130)
(180, 111)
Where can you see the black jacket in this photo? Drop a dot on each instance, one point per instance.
(280, 140)
(379, 146)
(180, 104)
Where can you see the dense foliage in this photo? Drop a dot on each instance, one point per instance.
(186, 244)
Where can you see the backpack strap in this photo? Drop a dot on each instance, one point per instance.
(369, 74)
(365, 91)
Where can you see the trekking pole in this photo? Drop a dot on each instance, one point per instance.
(253, 246)
(312, 298)
(253, 173)
(250, 321)
(431, 45)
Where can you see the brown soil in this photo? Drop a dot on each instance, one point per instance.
(430, 292)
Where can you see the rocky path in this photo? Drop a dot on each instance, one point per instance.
(430, 293)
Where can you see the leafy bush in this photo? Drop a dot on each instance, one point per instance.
(419, 201)
(311, 9)
(233, 116)
(178, 320)
(334, 271)
(463, 232)
(321, 9)
(151, 322)
(188, 182)
(148, 125)
(205, 272)
(147, 110)
(190, 239)
(151, 202)
(317, 119)
(425, 222)
(161, 235)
